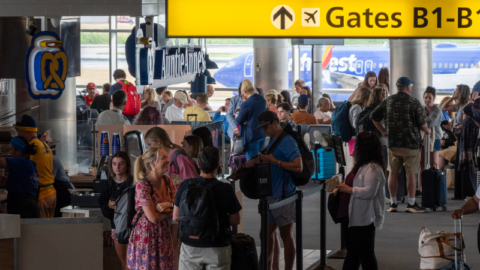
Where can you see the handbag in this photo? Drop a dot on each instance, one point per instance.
(333, 205)
(256, 182)
(237, 147)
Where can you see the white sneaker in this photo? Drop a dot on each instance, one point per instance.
(306, 138)
(387, 200)
(319, 139)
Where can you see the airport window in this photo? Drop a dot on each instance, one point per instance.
(103, 47)
(456, 65)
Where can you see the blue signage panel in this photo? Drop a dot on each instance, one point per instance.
(46, 66)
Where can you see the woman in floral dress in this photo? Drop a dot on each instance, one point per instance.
(150, 245)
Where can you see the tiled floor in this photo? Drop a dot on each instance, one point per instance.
(310, 257)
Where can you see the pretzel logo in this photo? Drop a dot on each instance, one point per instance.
(46, 66)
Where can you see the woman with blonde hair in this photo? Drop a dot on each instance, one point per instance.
(158, 137)
(358, 104)
(252, 107)
(271, 100)
(460, 96)
(369, 82)
(150, 245)
(150, 96)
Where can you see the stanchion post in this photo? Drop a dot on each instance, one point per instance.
(264, 237)
(299, 230)
(323, 230)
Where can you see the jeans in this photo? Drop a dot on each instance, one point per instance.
(360, 248)
(253, 148)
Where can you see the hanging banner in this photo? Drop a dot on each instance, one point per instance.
(46, 66)
(324, 19)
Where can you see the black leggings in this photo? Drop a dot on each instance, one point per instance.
(360, 243)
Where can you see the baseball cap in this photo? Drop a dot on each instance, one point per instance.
(404, 81)
(181, 96)
(26, 123)
(266, 118)
(91, 86)
(476, 87)
(303, 99)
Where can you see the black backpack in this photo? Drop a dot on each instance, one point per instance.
(182, 152)
(125, 211)
(363, 120)
(299, 179)
(198, 223)
(244, 252)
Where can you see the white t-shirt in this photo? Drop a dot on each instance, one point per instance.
(174, 113)
(324, 116)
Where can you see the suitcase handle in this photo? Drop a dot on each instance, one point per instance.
(427, 151)
(461, 242)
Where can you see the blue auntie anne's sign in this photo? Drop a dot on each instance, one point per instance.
(46, 66)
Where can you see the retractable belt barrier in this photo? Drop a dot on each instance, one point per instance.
(263, 209)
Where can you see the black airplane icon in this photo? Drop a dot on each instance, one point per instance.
(311, 16)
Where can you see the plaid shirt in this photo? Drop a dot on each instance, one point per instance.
(404, 115)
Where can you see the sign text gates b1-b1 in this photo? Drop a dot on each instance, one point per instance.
(328, 19)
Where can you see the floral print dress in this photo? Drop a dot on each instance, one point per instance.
(150, 245)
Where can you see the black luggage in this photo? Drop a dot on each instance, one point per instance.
(434, 184)
(401, 186)
(244, 253)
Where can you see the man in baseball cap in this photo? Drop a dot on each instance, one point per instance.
(176, 110)
(285, 158)
(404, 119)
(91, 93)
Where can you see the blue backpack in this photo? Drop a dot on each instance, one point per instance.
(341, 124)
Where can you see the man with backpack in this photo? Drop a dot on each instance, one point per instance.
(133, 103)
(284, 158)
(205, 208)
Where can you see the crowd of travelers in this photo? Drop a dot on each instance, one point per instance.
(388, 135)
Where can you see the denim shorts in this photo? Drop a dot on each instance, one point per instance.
(437, 146)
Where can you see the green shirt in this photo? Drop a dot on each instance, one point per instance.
(404, 115)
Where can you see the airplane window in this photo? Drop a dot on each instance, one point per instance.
(368, 65)
(461, 65)
(450, 66)
(472, 65)
(386, 65)
(231, 63)
(374, 65)
(456, 65)
(380, 65)
(440, 65)
(445, 65)
(434, 65)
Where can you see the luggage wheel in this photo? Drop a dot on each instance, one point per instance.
(444, 208)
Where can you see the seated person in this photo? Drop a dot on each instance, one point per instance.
(221, 115)
(22, 181)
(302, 116)
(175, 112)
(198, 109)
(102, 103)
(150, 115)
(324, 115)
(115, 116)
(91, 93)
(167, 100)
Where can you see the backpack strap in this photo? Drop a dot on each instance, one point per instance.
(276, 143)
(140, 213)
(174, 158)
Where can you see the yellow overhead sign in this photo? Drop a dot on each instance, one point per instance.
(329, 19)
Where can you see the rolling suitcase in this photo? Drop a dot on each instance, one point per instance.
(434, 184)
(325, 160)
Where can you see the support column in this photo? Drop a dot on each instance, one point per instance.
(316, 75)
(295, 66)
(271, 64)
(411, 58)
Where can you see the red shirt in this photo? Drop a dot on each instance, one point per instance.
(89, 100)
